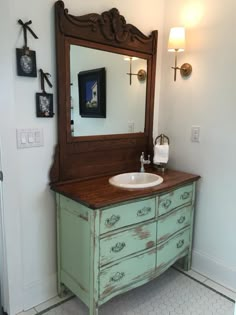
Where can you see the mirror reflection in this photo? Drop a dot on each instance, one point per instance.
(125, 93)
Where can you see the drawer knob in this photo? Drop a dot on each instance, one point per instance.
(181, 219)
(180, 244)
(118, 247)
(112, 220)
(143, 211)
(166, 203)
(117, 277)
(185, 195)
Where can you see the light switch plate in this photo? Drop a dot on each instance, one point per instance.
(28, 138)
(195, 134)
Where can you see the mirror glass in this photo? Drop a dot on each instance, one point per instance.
(125, 102)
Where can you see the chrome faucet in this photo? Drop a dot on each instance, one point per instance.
(143, 161)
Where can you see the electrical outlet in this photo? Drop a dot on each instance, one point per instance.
(195, 134)
(130, 126)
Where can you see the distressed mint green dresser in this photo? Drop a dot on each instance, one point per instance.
(107, 250)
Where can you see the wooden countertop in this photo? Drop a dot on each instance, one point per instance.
(98, 193)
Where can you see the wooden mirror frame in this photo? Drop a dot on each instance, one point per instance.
(79, 158)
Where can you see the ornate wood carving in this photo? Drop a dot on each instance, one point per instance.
(109, 27)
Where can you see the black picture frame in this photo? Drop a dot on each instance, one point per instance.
(44, 105)
(26, 62)
(92, 93)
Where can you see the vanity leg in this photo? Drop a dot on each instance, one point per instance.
(93, 311)
(187, 262)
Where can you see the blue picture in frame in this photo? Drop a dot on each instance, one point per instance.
(92, 93)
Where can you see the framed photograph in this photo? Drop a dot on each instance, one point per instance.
(26, 62)
(92, 93)
(44, 105)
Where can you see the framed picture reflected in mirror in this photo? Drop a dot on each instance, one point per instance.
(92, 93)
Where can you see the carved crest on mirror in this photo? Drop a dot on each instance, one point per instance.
(84, 157)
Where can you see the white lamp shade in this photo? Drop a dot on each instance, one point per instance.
(128, 58)
(176, 39)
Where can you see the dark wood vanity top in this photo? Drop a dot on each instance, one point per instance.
(98, 193)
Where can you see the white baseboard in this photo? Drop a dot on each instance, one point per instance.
(214, 270)
(40, 291)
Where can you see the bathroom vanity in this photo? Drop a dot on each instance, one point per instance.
(109, 239)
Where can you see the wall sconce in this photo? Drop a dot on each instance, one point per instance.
(141, 75)
(177, 44)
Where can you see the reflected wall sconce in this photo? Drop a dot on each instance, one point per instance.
(141, 75)
(177, 44)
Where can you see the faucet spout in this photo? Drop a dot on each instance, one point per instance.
(143, 162)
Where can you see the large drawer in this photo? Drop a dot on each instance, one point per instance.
(173, 222)
(172, 249)
(127, 272)
(127, 214)
(174, 199)
(128, 242)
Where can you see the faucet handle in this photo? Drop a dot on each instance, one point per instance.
(142, 157)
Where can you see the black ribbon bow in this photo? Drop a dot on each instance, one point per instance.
(25, 28)
(44, 76)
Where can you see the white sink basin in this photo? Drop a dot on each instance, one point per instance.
(135, 180)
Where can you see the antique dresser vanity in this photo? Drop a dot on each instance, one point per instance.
(111, 240)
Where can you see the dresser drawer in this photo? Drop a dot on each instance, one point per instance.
(173, 249)
(127, 214)
(128, 242)
(126, 273)
(173, 222)
(174, 199)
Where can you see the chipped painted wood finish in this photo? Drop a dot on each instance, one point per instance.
(108, 251)
(169, 224)
(175, 198)
(126, 243)
(126, 272)
(127, 214)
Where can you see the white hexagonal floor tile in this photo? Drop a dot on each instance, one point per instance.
(173, 293)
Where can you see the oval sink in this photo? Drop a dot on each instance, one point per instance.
(135, 180)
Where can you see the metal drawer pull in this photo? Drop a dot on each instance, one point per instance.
(117, 277)
(181, 219)
(143, 211)
(166, 203)
(185, 195)
(118, 247)
(112, 220)
(180, 244)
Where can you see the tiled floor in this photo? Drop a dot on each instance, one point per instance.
(173, 293)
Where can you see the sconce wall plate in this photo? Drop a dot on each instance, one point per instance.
(186, 69)
(142, 74)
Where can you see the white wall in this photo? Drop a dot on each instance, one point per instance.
(28, 203)
(206, 99)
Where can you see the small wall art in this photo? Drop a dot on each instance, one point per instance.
(26, 58)
(92, 93)
(44, 100)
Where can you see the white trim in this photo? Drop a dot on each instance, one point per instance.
(38, 292)
(216, 270)
(3, 256)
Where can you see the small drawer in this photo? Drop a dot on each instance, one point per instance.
(173, 222)
(128, 242)
(173, 249)
(174, 199)
(125, 273)
(127, 214)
